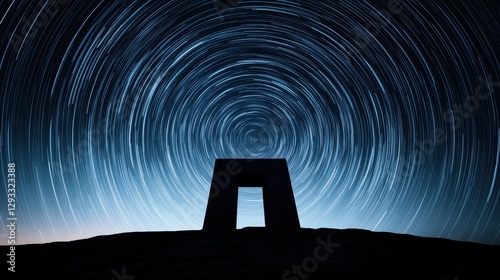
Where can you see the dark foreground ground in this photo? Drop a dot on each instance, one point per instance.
(258, 253)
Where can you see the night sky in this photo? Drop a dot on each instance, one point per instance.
(114, 112)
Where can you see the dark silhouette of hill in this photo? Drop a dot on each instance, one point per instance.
(258, 253)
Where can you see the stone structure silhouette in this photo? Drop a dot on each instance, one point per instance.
(272, 175)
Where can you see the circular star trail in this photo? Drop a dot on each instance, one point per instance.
(386, 112)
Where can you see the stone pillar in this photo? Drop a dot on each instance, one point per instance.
(272, 175)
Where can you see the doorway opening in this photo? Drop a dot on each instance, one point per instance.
(250, 211)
